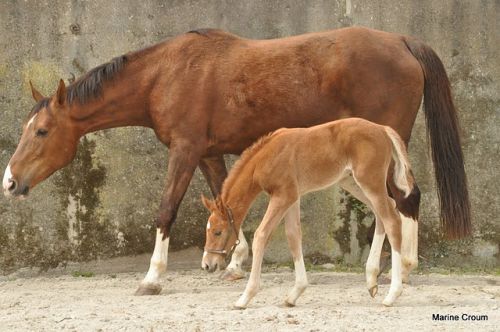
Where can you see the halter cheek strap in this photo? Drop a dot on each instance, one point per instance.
(223, 251)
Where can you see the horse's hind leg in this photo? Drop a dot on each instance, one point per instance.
(274, 213)
(215, 172)
(294, 237)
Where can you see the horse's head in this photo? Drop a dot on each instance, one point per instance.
(221, 235)
(48, 143)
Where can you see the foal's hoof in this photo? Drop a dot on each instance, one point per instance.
(232, 275)
(289, 304)
(239, 307)
(148, 289)
(373, 291)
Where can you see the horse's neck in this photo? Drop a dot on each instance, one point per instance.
(240, 193)
(122, 102)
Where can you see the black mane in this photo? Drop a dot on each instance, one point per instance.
(89, 86)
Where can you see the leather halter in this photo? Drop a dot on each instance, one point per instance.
(223, 251)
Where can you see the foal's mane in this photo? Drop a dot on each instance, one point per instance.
(246, 156)
(89, 86)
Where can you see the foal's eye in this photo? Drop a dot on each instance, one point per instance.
(41, 132)
(217, 233)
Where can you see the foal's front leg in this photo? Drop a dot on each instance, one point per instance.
(275, 211)
(234, 270)
(183, 159)
(294, 237)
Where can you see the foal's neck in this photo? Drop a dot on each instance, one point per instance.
(123, 100)
(239, 192)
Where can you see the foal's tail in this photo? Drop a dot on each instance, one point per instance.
(402, 171)
(443, 130)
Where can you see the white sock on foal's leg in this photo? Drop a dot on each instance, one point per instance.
(235, 268)
(373, 262)
(150, 285)
(300, 282)
(396, 283)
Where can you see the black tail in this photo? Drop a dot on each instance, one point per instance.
(443, 131)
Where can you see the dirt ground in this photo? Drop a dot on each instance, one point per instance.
(193, 300)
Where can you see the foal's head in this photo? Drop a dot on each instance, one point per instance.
(48, 143)
(221, 235)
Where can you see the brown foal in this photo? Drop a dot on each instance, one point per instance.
(208, 93)
(292, 162)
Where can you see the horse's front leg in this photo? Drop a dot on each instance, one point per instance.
(274, 213)
(183, 159)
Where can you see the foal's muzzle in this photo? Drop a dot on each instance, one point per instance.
(213, 262)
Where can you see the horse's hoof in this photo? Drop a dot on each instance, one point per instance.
(232, 275)
(148, 289)
(373, 291)
(289, 304)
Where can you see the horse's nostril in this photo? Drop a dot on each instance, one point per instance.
(13, 185)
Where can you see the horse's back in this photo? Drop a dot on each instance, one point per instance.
(246, 88)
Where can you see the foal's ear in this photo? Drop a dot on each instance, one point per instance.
(209, 204)
(34, 92)
(61, 93)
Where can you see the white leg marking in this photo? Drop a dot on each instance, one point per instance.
(253, 284)
(6, 180)
(208, 225)
(31, 120)
(300, 281)
(409, 246)
(240, 255)
(373, 262)
(396, 283)
(158, 263)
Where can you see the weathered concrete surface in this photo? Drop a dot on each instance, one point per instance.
(95, 208)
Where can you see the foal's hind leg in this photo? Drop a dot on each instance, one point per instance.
(373, 268)
(385, 211)
(294, 237)
(274, 213)
(384, 208)
(373, 262)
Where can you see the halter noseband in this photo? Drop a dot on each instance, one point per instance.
(223, 251)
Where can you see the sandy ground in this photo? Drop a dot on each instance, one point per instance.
(193, 300)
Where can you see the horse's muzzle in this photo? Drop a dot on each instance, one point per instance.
(13, 188)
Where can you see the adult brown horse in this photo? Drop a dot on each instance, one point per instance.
(208, 93)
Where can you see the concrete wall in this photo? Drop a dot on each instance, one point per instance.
(95, 209)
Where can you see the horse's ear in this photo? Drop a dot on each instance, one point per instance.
(34, 92)
(209, 204)
(61, 93)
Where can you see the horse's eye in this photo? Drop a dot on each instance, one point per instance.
(217, 233)
(41, 132)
